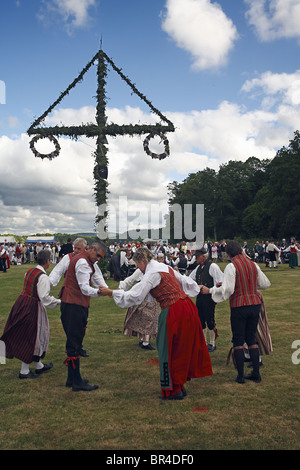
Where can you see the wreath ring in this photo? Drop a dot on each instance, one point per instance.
(159, 156)
(51, 155)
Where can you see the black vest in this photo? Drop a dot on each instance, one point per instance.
(202, 275)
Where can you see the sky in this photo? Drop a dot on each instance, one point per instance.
(226, 73)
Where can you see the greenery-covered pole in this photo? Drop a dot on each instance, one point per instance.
(101, 160)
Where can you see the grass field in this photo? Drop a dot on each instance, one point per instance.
(125, 412)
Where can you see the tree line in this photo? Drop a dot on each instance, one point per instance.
(251, 199)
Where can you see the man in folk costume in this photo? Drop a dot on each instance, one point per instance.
(26, 333)
(207, 274)
(60, 269)
(242, 279)
(75, 297)
(272, 249)
(182, 350)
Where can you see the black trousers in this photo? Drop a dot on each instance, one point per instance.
(206, 311)
(244, 322)
(74, 320)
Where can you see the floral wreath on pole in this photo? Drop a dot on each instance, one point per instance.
(159, 156)
(51, 155)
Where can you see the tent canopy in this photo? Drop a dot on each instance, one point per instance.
(41, 239)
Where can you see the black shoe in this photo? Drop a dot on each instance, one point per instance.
(239, 380)
(84, 387)
(254, 378)
(30, 375)
(149, 346)
(69, 383)
(184, 392)
(178, 396)
(83, 353)
(46, 368)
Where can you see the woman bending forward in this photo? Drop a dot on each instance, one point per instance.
(182, 349)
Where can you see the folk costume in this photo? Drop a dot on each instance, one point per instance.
(242, 279)
(293, 259)
(75, 301)
(272, 249)
(141, 320)
(208, 274)
(182, 350)
(26, 333)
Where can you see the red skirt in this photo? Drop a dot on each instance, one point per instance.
(182, 349)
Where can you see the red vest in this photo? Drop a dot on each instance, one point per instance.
(30, 282)
(70, 292)
(245, 292)
(168, 290)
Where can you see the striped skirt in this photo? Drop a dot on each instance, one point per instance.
(26, 333)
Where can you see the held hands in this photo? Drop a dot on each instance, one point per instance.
(105, 291)
(204, 289)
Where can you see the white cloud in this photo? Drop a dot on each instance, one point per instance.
(74, 13)
(274, 19)
(277, 86)
(202, 29)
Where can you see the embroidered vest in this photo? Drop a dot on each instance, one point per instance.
(245, 292)
(70, 292)
(202, 275)
(168, 291)
(30, 283)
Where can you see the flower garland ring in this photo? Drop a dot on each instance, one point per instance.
(160, 156)
(51, 155)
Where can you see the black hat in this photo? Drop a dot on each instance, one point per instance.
(202, 251)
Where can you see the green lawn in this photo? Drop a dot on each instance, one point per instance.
(125, 412)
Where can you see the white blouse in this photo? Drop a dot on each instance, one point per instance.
(43, 290)
(150, 280)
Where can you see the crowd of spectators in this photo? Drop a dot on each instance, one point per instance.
(178, 255)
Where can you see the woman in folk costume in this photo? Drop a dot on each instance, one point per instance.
(182, 349)
(293, 259)
(141, 320)
(26, 333)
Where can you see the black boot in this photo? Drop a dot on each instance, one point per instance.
(254, 356)
(239, 358)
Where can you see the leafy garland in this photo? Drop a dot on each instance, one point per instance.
(160, 156)
(51, 155)
(101, 129)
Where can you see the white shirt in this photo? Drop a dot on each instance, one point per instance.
(59, 270)
(214, 271)
(83, 274)
(43, 290)
(150, 280)
(220, 294)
